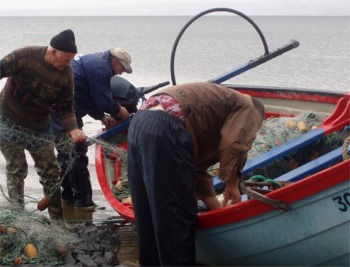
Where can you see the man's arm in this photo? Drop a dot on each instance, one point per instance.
(238, 135)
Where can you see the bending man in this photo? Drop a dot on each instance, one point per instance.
(172, 140)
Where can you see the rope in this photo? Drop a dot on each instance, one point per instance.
(269, 182)
(277, 204)
(251, 188)
(3, 193)
(345, 148)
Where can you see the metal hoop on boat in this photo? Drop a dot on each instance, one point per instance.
(202, 14)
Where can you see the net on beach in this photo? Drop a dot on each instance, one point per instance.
(18, 228)
(24, 229)
(30, 239)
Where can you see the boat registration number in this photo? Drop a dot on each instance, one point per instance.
(343, 201)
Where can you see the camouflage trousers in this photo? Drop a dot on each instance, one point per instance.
(46, 165)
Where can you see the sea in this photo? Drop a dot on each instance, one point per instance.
(182, 49)
(208, 47)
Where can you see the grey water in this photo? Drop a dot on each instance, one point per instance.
(210, 47)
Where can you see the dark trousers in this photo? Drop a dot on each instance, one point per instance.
(161, 178)
(73, 161)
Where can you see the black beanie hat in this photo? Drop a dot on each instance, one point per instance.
(64, 41)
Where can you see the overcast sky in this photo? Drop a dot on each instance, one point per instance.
(170, 7)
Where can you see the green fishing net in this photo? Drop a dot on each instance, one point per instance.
(28, 237)
(277, 131)
(18, 228)
(274, 132)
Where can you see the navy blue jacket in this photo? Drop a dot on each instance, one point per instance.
(92, 95)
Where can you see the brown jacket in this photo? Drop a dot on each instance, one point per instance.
(223, 124)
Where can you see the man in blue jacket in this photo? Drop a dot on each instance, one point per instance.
(93, 97)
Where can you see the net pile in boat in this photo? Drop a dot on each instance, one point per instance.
(277, 131)
(273, 133)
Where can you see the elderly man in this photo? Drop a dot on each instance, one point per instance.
(93, 97)
(172, 140)
(39, 77)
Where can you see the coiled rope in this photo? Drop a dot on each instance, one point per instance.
(345, 148)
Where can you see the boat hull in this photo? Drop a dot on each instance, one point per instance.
(315, 231)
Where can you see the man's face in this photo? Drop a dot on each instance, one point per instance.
(117, 67)
(60, 59)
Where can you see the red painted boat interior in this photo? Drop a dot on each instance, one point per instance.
(291, 193)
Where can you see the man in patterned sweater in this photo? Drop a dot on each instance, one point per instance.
(38, 78)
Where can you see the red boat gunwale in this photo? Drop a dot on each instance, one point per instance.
(291, 193)
(125, 211)
(322, 96)
(301, 97)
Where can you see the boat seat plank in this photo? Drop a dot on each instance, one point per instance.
(314, 166)
(336, 121)
(283, 150)
(305, 170)
(276, 152)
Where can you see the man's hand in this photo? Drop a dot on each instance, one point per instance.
(78, 135)
(123, 114)
(108, 121)
(212, 203)
(232, 193)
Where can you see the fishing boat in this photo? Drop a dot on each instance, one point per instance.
(314, 230)
(301, 217)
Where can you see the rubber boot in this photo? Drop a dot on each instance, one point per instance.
(16, 194)
(55, 208)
